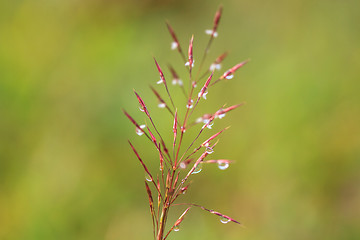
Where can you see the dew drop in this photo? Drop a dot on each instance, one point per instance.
(223, 165)
(176, 228)
(224, 220)
(148, 178)
(197, 169)
(141, 108)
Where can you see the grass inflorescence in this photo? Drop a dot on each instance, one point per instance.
(177, 162)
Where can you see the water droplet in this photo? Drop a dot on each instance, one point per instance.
(148, 178)
(161, 105)
(139, 131)
(160, 81)
(197, 169)
(174, 45)
(141, 108)
(229, 76)
(209, 150)
(210, 125)
(176, 228)
(220, 116)
(223, 165)
(224, 220)
(208, 31)
(182, 165)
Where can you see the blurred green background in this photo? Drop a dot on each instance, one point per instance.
(68, 67)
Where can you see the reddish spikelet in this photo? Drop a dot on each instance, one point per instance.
(175, 128)
(141, 161)
(168, 180)
(152, 136)
(203, 92)
(181, 218)
(223, 111)
(160, 99)
(142, 104)
(217, 19)
(151, 201)
(221, 58)
(218, 161)
(162, 78)
(206, 143)
(159, 196)
(224, 216)
(190, 62)
(133, 121)
(173, 72)
(176, 180)
(228, 74)
(161, 157)
(176, 43)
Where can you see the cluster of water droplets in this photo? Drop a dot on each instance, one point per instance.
(190, 104)
(214, 66)
(177, 81)
(211, 32)
(139, 131)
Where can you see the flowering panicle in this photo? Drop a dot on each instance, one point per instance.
(172, 182)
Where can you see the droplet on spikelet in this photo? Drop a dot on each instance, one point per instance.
(188, 64)
(139, 131)
(176, 228)
(209, 126)
(211, 32)
(224, 219)
(147, 177)
(197, 169)
(160, 81)
(190, 104)
(161, 105)
(215, 66)
(229, 74)
(204, 95)
(220, 116)
(174, 45)
(223, 165)
(209, 150)
(177, 81)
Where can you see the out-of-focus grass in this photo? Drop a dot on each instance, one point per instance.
(68, 67)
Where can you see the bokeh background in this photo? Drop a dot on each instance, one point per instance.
(67, 68)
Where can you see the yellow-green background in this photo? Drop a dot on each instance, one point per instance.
(68, 67)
